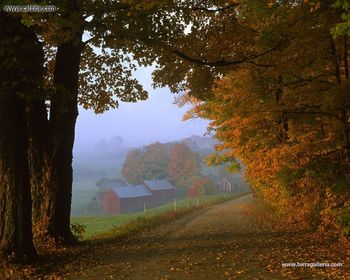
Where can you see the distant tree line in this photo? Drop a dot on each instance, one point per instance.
(175, 161)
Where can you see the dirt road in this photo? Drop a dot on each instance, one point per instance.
(222, 242)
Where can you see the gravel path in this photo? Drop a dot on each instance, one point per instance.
(225, 241)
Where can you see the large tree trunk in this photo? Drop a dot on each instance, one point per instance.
(63, 116)
(15, 202)
(21, 67)
(40, 165)
(52, 146)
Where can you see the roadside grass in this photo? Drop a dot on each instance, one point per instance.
(100, 233)
(101, 227)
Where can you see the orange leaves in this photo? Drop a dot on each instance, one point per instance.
(133, 167)
(284, 115)
(248, 122)
(158, 161)
(314, 6)
(197, 188)
(183, 165)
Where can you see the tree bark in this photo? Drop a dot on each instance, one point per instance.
(282, 119)
(343, 114)
(40, 165)
(346, 57)
(21, 67)
(52, 146)
(63, 116)
(15, 202)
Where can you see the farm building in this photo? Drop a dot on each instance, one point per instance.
(225, 185)
(162, 191)
(103, 185)
(116, 197)
(126, 199)
(231, 184)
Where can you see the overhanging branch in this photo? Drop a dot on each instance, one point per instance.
(222, 62)
(213, 10)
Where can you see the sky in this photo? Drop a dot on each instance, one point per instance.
(144, 122)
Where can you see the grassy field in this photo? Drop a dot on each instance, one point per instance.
(82, 194)
(100, 224)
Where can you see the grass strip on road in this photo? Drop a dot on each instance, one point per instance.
(114, 225)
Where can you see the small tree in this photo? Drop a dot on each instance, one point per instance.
(201, 186)
(133, 167)
(183, 165)
(155, 160)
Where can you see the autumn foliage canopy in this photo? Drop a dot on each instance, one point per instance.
(285, 114)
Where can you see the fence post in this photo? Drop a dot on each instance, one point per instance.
(145, 210)
(175, 204)
(197, 201)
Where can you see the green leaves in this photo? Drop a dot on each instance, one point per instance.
(344, 4)
(147, 164)
(106, 78)
(342, 28)
(78, 230)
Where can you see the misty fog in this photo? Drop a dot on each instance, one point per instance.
(102, 141)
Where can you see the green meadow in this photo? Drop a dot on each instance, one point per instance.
(100, 224)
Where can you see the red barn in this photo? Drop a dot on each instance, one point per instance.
(126, 199)
(162, 191)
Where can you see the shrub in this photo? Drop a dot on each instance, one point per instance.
(78, 230)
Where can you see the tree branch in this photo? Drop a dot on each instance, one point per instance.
(222, 62)
(209, 10)
(306, 80)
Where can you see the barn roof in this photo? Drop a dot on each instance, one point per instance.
(132, 191)
(158, 185)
